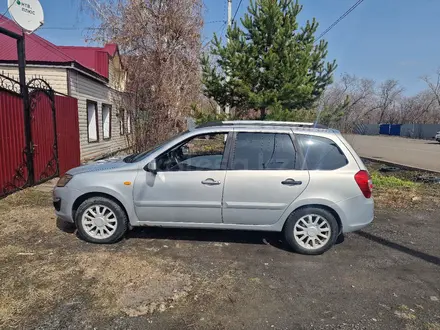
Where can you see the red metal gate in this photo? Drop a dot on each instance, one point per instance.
(20, 168)
(67, 132)
(13, 169)
(44, 141)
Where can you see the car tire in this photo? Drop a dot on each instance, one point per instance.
(108, 226)
(311, 230)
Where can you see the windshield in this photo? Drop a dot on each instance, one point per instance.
(133, 158)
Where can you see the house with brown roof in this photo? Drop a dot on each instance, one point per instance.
(93, 75)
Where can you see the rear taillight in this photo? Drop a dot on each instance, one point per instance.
(364, 182)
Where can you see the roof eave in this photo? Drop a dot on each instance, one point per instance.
(74, 64)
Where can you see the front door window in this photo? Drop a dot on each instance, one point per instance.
(201, 153)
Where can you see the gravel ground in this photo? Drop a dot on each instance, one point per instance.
(385, 277)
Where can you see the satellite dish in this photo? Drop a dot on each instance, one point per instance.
(27, 13)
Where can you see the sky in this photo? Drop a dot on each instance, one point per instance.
(380, 39)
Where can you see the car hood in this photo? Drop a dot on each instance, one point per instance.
(101, 165)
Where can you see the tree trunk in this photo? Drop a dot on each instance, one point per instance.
(263, 113)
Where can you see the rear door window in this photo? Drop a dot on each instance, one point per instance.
(263, 151)
(321, 153)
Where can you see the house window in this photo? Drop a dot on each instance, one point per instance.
(128, 123)
(92, 121)
(106, 121)
(122, 121)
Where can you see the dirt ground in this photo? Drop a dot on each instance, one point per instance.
(384, 277)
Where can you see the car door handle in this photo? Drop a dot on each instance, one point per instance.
(291, 182)
(210, 182)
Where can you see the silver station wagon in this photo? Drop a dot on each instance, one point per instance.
(303, 181)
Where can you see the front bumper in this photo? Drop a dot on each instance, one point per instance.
(63, 199)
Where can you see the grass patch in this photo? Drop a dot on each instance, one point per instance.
(432, 326)
(387, 181)
(30, 197)
(393, 192)
(398, 190)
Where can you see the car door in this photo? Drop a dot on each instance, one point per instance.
(188, 185)
(263, 177)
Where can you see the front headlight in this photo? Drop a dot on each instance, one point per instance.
(64, 180)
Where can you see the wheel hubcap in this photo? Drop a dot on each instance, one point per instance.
(99, 222)
(312, 231)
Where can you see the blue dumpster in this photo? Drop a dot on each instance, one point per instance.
(384, 129)
(395, 130)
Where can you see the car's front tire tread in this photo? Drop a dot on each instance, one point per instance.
(120, 214)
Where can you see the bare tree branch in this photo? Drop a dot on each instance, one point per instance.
(160, 42)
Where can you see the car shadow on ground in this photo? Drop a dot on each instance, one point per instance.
(274, 239)
(433, 142)
(418, 254)
(209, 235)
(65, 226)
(201, 235)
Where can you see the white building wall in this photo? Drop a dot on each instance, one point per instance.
(56, 77)
(85, 89)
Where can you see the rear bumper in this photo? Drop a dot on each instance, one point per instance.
(358, 212)
(63, 199)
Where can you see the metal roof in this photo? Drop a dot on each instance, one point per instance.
(39, 50)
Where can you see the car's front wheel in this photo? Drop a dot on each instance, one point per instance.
(311, 230)
(101, 220)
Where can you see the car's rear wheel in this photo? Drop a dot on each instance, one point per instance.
(311, 230)
(101, 220)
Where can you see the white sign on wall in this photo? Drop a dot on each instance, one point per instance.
(27, 13)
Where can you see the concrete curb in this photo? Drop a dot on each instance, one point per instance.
(403, 166)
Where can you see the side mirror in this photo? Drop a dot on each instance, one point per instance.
(151, 167)
(185, 150)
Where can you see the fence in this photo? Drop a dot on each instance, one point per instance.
(415, 131)
(390, 129)
(67, 133)
(419, 131)
(39, 137)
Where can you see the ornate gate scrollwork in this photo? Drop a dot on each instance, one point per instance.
(38, 161)
(38, 89)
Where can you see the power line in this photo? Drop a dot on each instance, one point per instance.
(223, 28)
(3, 15)
(65, 28)
(69, 28)
(340, 19)
(219, 21)
(236, 11)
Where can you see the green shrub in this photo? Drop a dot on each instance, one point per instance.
(278, 113)
(202, 116)
(388, 181)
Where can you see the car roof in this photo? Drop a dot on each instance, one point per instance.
(295, 126)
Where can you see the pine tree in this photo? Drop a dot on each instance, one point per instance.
(269, 60)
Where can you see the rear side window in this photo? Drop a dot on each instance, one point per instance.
(321, 153)
(263, 151)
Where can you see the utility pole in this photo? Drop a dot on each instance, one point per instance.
(229, 13)
(227, 109)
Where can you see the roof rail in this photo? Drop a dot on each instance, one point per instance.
(261, 123)
(267, 123)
